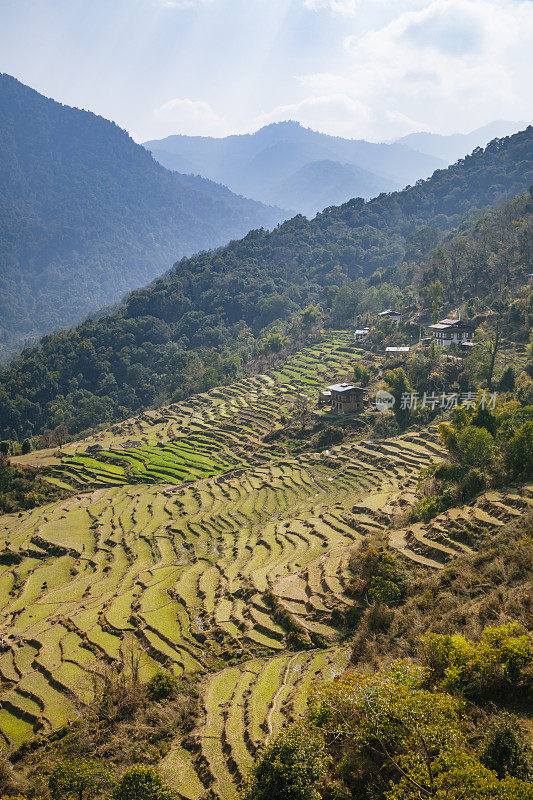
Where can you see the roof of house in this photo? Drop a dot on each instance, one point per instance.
(345, 387)
(397, 349)
(362, 330)
(451, 324)
(389, 312)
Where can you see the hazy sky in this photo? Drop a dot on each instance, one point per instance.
(360, 68)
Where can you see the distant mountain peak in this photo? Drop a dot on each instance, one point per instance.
(450, 147)
(267, 165)
(286, 124)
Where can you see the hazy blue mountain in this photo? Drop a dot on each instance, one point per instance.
(267, 165)
(320, 184)
(86, 214)
(457, 145)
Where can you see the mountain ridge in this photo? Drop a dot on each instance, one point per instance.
(283, 149)
(268, 163)
(450, 147)
(87, 214)
(196, 326)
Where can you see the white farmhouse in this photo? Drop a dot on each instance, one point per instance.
(452, 330)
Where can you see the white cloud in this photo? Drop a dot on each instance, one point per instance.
(192, 117)
(339, 6)
(341, 115)
(351, 7)
(455, 64)
(182, 3)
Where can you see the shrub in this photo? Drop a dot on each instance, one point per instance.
(14, 797)
(79, 779)
(327, 437)
(297, 636)
(507, 380)
(378, 617)
(23, 488)
(472, 484)
(506, 750)
(384, 425)
(369, 721)
(524, 390)
(455, 774)
(289, 767)
(500, 663)
(142, 783)
(449, 471)
(424, 510)
(361, 374)
(378, 575)
(398, 385)
(519, 451)
(389, 737)
(161, 686)
(483, 418)
(476, 446)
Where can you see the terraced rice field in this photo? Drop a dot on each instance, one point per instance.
(206, 435)
(174, 565)
(457, 531)
(181, 522)
(242, 707)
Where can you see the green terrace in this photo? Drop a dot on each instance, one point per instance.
(209, 434)
(184, 569)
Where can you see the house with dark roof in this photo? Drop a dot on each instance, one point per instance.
(447, 331)
(346, 397)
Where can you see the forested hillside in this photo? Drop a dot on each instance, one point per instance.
(194, 328)
(86, 214)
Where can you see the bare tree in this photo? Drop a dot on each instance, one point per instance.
(60, 435)
(131, 658)
(494, 347)
(47, 438)
(302, 410)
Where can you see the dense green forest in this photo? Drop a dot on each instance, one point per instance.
(86, 214)
(211, 314)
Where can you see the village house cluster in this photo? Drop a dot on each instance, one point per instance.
(345, 398)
